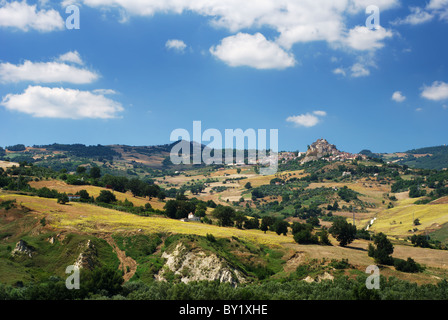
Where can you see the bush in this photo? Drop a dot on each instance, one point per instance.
(409, 265)
(210, 237)
(305, 237)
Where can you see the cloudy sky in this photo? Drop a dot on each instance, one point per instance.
(135, 70)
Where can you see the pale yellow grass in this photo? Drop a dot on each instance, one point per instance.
(61, 186)
(90, 218)
(397, 221)
(7, 164)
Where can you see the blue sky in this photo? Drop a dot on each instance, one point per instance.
(136, 70)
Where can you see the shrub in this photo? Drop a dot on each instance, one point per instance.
(409, 265)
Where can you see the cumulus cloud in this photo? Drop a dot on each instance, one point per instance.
(363, 39)
(308, 119)
(340, 71)
(44, 102)
(417, 16)
(397, 96)
(72, 56)
(20, 15)
(176, 45)
(47, 72)
(437, 91)
(359, 70)
(295, 21)
(253, 51)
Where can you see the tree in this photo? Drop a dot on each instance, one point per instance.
(281, 227)
(106, 197)
(240, 218)
(305, 237)
(225, 215)
(266, 223)
(238, 170)
(343, 231)
(81, 170)
(323, 237)
(95, 172)
(63, 198)
(420, 241)
(314, 221)
(102, 280)
(382, 250)
(248, 185)
(178, 209)
(84, 195)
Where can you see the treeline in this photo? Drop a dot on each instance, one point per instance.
(107, 284)
(83, 151)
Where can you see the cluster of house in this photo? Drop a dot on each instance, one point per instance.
(343, 156)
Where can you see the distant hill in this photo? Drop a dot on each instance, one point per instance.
(424, 158)
(427, 158)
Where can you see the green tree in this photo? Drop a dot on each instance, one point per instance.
(81, 170)
(266, 223)
(343, 231)
(281, 227)
(84, 195)
(240, 219)
(106, 197)
(102, 280)
(95, 172)
(248, 185)
(63, 198)
(382, 250)
(225, 215)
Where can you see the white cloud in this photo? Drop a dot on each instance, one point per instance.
(177, 45)
(437, 4)
(359, 70)
(419, 109)
(363, 39)
(397, 96)
(295, 21)
(418, 16)
(320, 113)
(308, 119)
(437, 91)
(44, 102)
(340, 71)
(253, 51)
(45, 72)
(22, 16)
(72, 56)
(104, 91)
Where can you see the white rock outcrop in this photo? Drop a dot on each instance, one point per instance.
(197, 265)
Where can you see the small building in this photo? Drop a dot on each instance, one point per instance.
(191, 217)
(72, 197)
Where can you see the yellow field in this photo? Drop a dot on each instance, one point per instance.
(87, 218)
(91, 219)
(397, 221)
(7, 164)
(61, 186)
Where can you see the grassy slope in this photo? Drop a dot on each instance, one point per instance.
(61, 186)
